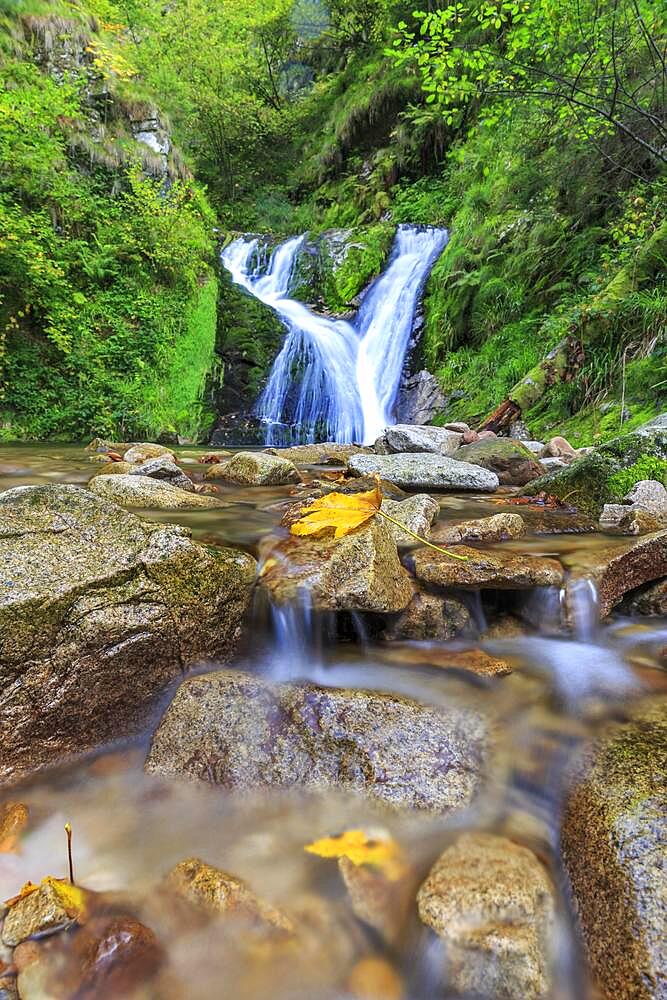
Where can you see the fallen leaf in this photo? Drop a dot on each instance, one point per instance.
(377, 850)
(341, 511)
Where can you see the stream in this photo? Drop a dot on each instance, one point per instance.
(130, 827)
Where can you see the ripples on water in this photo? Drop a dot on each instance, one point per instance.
(131, 828)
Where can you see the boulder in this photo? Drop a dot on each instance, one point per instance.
(604, 476)
(137, 453)
(534, 447)
(613, 841)
(407, 438)
(165, 469)
(432, 617)
(496, 528)
(99, 609)
(417, 513)
(114, 469)
(359, 572)
(559, 447)
(492, 904)
(648, 600)
(637, 521)
(500, 569)
(328, 453)
(40, 912)
(149, 494)
(650, 495)
(419, 399)
(238, 731)
(620, 566)
(512, 462)
(423, 471)
(256, 468)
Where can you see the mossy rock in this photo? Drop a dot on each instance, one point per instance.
(607, 474)
(512, 462)
(613, 839)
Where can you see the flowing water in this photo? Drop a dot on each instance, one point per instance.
(131, 828)
(335, 380)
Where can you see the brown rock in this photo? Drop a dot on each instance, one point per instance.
(374, 978)
(13, 821)
(114, 955)
(138, 453)
(559, 447)
(359, 572)
(114, 469)
(240, 732)
(621, 566)
(469, 437)
(219, 892)
(499, 569)
(431, 616)
(650, 600)
(327, 453)
(381, 902)
(492, 903)
(639, 522)
(38, 913)
(496, 528)
(614, 837)
(256, 468)
(99, 609)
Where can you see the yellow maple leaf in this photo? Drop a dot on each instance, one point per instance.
(341, 511)
(361, 848)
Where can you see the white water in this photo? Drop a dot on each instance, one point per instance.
(334, 380)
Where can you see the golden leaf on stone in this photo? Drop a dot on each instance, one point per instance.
(361, 847)
(341, 512)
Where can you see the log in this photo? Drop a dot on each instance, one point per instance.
(564, 361)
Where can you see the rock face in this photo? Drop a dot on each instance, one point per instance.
(513, 463)
(151, 494)
(256, 468)
(239, 732)
(424, 471)
(416, 513)
(98, 611)
(622, 566)
(419, 399)
(499, 569)
(359, 572)
(492, 903)
(613, 838)
(406, 438)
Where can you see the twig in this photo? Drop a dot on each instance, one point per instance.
(453, 555)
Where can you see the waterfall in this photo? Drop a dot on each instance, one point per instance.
(335, 380)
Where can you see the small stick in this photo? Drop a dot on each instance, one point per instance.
(424, 541)
(68, 831)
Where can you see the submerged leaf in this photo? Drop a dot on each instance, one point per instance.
(341, 512)
(379, 851)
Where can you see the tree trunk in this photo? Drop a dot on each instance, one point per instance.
(564, 361)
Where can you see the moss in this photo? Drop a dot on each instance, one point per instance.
(648, 467)
(363, 257)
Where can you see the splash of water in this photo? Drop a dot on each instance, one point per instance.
(335, 380)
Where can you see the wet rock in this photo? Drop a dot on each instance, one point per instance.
(611, 514)
(512, 462)
(14, 818)
(165, 469)
(492, 904)
(374, 978)
(496, 528)
(613, 839)
(408, 438)
(431, 616)
(360, 484)
(419, 399)
(417, 513)
(381, 902)
(359, 572)
(327, 453)
(650, 495)
(219, 892)
(559, 447)
(499, 569)
(150, 494)
(138, 453)
(621, 566)
(38, 913)
(8, 988)
(256, 468)
(423, 471)
(114, 469)
(637, 521)
(240, 732)
(99, 609)
(650, 600)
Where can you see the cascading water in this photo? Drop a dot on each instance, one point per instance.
(335, 380)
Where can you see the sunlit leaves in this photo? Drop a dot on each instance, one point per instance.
(377, 850)
(339, 512)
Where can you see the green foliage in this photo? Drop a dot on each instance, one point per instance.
(646, 467)
(365, 255)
